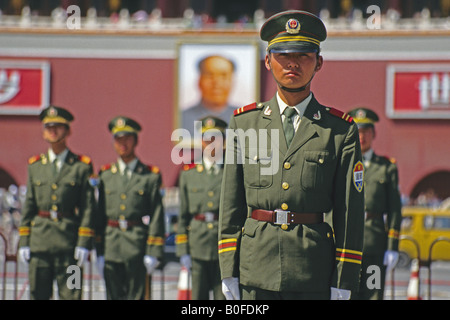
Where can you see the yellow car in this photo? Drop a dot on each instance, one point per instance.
(424, 230)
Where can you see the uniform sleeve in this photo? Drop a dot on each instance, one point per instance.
(181, 239)
(87, 208)
(348, 214)
(100, 219)
(233, 208)
(394, 214)
(156, 228)
(29, 211)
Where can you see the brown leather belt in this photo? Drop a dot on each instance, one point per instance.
(370, 215)
(53, 214)
(208, 217)
(124, 224)
(286, 217)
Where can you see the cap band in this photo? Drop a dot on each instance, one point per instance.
(123, 129)
(61, 120)
(293, 38)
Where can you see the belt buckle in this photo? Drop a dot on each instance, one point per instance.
(123, 224)
(281, 218)
(209, 217)
(53, 215)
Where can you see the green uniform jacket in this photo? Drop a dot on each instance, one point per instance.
(382, 197)
(132, 201)
(199, 194)
(315, 175)
(68, 193)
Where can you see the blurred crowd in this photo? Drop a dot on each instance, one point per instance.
(231, 10)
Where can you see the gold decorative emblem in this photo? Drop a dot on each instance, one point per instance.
(210, 123)
(52, 112)
(360, 114)
(293, 26)
(120, 123)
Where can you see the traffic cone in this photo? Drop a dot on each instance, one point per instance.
(184, 285)
(414, 282)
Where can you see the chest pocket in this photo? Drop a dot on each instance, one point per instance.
(259, 167)
(318, 170)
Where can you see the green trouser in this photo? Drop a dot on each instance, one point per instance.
(125, 280)
(252, 293)
(368, 291)
(44, 268)
(206, 277)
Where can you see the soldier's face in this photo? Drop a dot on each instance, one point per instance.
(55, 133)
(366, 136)
(125, 145)
(293, 70)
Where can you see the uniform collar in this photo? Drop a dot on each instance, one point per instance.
(131, 165)
(59, 157)
(301, 107)
(367, 156)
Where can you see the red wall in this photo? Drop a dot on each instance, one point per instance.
(96, 90)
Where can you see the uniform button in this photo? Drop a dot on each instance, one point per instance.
(210, 225)
(54, 197)
(210, 193)
(320, 160)
(210, 204)
(123, 196)
(54, 186)
(122, 207)
(284, 206)
(54, 207)
(287, 165)
(284, 226)
(285, 185)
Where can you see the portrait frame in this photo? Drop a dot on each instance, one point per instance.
(246, 78)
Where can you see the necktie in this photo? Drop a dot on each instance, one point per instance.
(55, 166)
(126, 173)
(288, 124)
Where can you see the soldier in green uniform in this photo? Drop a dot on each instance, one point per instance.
(129, 190)
(383, 208)
(199, 185)
(56, 230)
(288, 161)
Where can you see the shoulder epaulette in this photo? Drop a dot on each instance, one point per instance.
(105, 167)
(248, 107)
(153, 169)
(189, 166)
(33, 159)
(340, 114)
(85, 159)
(390, 159)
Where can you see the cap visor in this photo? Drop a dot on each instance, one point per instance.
(293, 48)
(123, 133)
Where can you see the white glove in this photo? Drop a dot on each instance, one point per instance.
(81, 255)
(390, 259)
(230, 288)
(100, 265)
(24, 255)
(185, 261)
(340, 294)
(151, 263)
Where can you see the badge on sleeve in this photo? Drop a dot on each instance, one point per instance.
(358, 176)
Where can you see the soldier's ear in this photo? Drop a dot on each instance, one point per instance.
(319, 63)
(267, 62)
